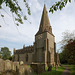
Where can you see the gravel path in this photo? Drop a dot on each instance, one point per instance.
(66, 71)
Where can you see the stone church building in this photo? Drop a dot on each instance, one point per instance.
(44, 47)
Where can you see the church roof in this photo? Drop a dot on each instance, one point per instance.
(25, 50)
(44, 24)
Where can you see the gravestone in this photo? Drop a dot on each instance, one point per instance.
(8, 65)
(15, 65)
(21, 62)
(23, 70)
(38, 68)
(50, 68)
(2, 65)
(30, 71)
(9, 72)
(56, 67)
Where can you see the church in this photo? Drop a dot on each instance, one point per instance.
(44, 47)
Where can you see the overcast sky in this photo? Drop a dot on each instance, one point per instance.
(15, 37)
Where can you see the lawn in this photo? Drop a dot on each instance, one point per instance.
(72, 67)
(53, 72)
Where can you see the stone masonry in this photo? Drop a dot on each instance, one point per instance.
(44, 47)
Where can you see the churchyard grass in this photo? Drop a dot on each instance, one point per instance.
(72, 67)
(59, 71)
(28, 66)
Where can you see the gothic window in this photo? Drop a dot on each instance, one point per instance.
(48, 57)
(26, 57)
(47, 44)
(44, 44)
(42, 48)
(18, 57)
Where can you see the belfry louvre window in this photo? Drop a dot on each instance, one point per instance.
(26, 57)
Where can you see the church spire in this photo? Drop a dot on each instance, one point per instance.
(44, 24)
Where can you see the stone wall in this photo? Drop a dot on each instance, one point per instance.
(21, 54)
(22, 57)
(51, 40)
(58, 61)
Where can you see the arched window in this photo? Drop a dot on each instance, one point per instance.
(18, 57)
(47, 44)
(26, 57)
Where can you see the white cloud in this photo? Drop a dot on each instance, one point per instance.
(35, 5)
(60, 21)
(63, 20)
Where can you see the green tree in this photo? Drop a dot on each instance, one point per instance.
(5, 53)
(59, 5)
(0, 55)
(68, 48)
(11, 58)
(16, 9)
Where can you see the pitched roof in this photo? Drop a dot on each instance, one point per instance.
(44, 24)
(25, 50)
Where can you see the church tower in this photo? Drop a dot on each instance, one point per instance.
(44, 48)
(44, 45)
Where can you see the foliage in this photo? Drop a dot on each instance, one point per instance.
(5, 53)
(59, 5)
(16, 9)
(10, 58)
(0, 55)
(68, 47)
